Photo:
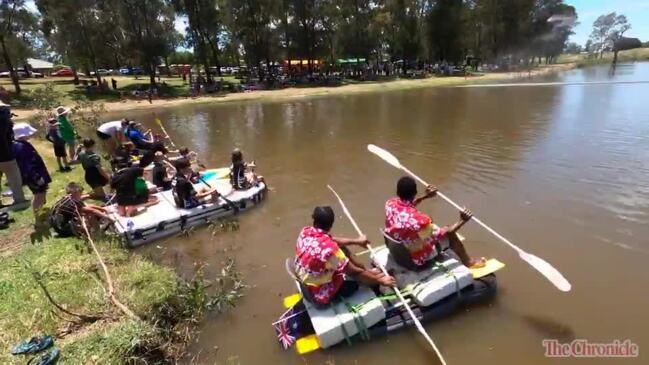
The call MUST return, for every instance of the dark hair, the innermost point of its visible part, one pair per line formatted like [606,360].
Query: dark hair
[407,188]
[237,156]
[182,164]
[139,172]
[88,142]
[183,151]
[125,122]
[323,217]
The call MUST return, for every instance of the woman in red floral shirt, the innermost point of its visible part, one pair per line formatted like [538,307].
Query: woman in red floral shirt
[407,225]
[322,261]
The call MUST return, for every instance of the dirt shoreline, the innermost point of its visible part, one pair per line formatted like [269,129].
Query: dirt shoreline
[299,93]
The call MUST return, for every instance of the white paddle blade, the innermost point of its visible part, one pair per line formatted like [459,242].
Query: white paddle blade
[385,155]
[552,274]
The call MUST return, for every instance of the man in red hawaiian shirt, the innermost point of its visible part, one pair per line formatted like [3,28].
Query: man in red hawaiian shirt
[322,261]
[415,230]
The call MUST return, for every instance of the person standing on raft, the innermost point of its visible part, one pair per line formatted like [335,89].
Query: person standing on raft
[414,229]
[323,263]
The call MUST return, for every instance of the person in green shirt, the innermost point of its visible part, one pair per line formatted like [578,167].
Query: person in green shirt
[67,131]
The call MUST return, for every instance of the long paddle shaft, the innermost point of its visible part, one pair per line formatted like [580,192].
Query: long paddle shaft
[165,132]
[542,266]
[230,202]
[420,328]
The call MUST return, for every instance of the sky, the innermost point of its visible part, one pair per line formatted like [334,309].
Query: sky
[637,11]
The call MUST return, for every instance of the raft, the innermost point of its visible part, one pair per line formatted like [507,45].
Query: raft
[432,294]
[164,219]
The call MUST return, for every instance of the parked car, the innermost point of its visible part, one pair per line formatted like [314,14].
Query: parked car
[63,72]
[22,74]
[101,72]
[132,71]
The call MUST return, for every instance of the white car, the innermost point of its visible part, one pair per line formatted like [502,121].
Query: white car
[101,72]
[21,74]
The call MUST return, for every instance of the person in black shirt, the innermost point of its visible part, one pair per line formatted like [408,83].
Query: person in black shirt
[185,196]
[122,157]
[65,216]
[148,155]
[161,173]
[131,191]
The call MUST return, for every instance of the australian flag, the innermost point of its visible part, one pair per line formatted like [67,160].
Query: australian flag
[287,326]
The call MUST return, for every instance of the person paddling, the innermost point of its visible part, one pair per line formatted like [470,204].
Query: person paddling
[324,264]
[414,229]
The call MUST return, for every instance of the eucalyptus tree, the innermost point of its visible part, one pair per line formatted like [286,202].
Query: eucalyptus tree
[18,28]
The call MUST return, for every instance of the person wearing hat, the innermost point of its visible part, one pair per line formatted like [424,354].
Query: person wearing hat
[139,139]
[8,165]
[32,168]
[67,131]
[53,135]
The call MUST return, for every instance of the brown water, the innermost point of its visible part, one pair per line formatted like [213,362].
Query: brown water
[563,171]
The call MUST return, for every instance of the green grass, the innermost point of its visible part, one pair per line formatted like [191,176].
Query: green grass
[632,55]
[74,279]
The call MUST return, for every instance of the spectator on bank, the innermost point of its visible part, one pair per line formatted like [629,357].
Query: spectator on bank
[66,214]
[112,134]
[8,164]
[32,168]
[95,174]
[67,131]
[53,135]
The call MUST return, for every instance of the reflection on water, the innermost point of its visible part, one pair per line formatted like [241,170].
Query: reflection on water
[563,171]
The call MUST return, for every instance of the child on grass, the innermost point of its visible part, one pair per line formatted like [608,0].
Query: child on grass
[53,135]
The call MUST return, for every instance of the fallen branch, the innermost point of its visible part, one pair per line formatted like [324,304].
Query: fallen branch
[83,317]
[109,280]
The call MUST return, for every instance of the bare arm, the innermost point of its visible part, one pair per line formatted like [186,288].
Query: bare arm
[369,277]
[431,192]
[465,216]
[344,242]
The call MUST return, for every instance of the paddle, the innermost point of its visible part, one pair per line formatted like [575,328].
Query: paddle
[547,270]
[420,328]
[165,132]
[228,201]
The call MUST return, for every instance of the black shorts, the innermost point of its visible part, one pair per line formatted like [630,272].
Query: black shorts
[95,179]
[103,136]
[59,150]
[37,188]
[131,199]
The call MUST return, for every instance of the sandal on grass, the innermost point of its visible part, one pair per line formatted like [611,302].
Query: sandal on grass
[49,358]
[34,345]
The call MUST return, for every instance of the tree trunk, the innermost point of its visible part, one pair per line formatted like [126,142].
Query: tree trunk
[168,68]
[7,59]
[76,75]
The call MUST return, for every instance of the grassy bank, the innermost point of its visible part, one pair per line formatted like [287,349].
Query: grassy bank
[70,273]
[581,60]
[316,91]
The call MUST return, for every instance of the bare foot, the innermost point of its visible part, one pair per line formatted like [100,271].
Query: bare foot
[477,263]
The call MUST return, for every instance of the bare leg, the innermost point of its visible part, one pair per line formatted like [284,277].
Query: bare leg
[98,193]
[458,247]
[38,201]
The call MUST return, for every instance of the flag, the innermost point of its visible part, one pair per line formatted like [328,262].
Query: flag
[287,327]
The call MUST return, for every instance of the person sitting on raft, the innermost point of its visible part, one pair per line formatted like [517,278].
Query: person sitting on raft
[131,191]
[123,156]
[95,175]
[185,196]
[408,226]
[160,174]
[323,263]
[138,138]
[65,216]
[148,155]
[242,175]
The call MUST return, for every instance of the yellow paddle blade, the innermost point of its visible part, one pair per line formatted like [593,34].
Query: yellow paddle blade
[307,344]
[292,300]
[491,267]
